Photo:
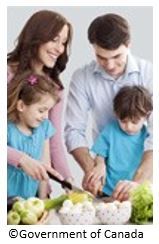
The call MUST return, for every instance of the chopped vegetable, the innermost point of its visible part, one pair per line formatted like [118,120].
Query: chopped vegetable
[142,204]
[77,197]
[55,202]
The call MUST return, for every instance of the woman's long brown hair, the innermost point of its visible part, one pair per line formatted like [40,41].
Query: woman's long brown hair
[42,27]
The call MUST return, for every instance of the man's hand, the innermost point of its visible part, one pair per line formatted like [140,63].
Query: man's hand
[93,188]
[95,179]
[122,190]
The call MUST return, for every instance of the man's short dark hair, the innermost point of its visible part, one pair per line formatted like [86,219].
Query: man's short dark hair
[132,102]
[109,31]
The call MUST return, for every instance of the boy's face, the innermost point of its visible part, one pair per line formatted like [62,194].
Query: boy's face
[131,127]
[112,61]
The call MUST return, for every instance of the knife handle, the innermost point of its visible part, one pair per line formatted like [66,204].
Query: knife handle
[64,183]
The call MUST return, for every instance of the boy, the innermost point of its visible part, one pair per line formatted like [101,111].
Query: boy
[120,146]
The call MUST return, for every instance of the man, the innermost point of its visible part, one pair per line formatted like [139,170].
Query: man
[93,88]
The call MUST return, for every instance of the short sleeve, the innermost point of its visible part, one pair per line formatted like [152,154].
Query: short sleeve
[101,145]
[48,128]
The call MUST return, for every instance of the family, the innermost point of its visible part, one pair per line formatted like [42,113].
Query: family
[115,88]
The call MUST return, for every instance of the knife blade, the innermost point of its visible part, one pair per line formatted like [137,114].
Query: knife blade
[69,186]
[65,183]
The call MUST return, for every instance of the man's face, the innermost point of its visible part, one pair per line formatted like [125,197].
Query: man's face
[112,61]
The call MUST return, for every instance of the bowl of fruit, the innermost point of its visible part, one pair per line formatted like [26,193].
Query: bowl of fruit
[28,212]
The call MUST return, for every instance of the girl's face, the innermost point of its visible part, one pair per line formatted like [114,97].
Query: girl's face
[49,52]
[131,127]
[31,116]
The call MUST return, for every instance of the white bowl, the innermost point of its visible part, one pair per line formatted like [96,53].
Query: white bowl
[79,214]
[114,213]
[85,218]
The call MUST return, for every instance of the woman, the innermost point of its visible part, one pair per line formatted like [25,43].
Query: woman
[43,47]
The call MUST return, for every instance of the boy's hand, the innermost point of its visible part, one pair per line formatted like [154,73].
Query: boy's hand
[122,189]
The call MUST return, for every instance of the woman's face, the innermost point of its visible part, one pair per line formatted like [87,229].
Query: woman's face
[49,52]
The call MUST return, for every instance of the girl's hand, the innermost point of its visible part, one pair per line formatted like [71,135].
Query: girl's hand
[33,168]
[49,168]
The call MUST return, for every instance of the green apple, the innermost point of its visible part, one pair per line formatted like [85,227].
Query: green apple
[28,217]
[19,206]
[13,218]
[35,205]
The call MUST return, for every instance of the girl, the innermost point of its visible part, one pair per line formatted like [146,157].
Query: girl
[30,97]
[42,47]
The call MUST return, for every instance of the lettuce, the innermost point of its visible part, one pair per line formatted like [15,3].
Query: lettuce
[142,204]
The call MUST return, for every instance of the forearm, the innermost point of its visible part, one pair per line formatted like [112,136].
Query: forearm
[57,151]
[43,190]
[99,160]
[145,171]
[83,157]
[14,156]
[58,157]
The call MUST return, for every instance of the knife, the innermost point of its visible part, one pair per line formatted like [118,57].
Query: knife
[68,185]
[65,183]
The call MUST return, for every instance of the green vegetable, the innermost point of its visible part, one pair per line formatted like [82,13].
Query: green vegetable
[55,202]
[35,205]
[28,217]
[13,218]
[79,197]
[142,204]
[19,206]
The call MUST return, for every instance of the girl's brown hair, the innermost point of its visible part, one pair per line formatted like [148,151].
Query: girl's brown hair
[28,87]
[42,27]
[133,102]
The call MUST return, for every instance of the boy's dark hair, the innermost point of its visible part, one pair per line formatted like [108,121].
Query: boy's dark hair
[109,31]
[132,102]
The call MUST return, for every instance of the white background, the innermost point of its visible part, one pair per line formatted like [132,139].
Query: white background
[142,47]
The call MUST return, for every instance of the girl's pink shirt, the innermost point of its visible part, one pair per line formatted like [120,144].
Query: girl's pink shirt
[58,158]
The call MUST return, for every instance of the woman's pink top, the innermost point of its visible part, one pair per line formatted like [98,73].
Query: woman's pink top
[58,158]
